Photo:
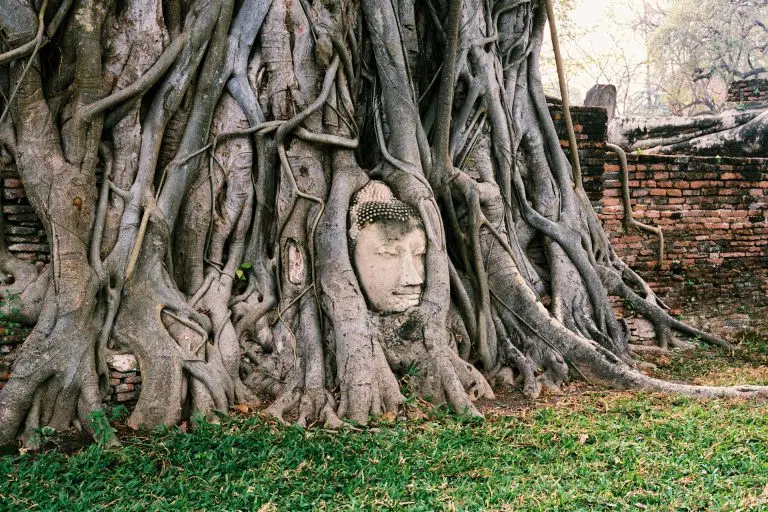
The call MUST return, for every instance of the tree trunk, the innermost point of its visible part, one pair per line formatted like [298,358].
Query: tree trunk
[202,172]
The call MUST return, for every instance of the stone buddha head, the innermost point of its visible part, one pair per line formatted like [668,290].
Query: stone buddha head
[388,245]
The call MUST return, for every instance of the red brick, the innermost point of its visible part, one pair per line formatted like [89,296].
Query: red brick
[123,388]
[13,183]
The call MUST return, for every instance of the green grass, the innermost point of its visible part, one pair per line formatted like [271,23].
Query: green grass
[593,450]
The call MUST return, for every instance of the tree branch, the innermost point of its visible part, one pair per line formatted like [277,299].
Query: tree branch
[141,85]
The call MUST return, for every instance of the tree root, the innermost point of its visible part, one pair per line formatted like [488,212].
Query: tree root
[55,379]
[177,348]
[661,320]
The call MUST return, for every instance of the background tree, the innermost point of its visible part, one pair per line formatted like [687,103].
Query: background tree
[663,57]
[171,148]
[602,52]
[699,47]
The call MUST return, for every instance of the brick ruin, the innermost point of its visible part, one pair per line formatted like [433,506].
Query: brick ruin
[712,210]
[713,213]
[747,92]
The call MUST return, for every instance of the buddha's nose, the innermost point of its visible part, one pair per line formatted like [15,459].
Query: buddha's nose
[410,275]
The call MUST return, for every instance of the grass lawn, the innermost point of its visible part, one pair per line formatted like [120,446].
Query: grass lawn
[590,449]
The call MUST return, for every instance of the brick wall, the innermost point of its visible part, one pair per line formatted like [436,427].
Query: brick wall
[590,126]
[24,232]
[711,210]
[713,215]
[26,238]
[748,91]
[10,338]
[124,378]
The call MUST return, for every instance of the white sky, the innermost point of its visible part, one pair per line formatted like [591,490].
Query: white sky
[605,35]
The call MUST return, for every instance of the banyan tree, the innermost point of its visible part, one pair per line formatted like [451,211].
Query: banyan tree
[301,201]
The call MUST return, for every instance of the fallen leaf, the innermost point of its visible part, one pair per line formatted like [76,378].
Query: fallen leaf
[416,414]
[243,408]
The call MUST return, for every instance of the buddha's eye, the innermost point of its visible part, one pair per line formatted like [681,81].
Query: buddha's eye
[388,252]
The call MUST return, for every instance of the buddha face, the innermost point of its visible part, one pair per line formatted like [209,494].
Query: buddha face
[389,259]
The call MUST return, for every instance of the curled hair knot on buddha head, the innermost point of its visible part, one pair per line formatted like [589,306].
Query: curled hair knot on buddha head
[375,202]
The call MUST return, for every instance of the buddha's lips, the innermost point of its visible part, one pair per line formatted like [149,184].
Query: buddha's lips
[407,293]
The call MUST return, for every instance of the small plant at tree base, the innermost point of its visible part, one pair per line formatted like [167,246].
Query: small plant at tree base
[10,305]
[118,412]
[629,306]
[41,436]
[406,383]
[103,432]
[242,272]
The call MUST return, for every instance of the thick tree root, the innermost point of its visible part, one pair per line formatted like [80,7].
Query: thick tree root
[178,351]
[56,379]
[661,320]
